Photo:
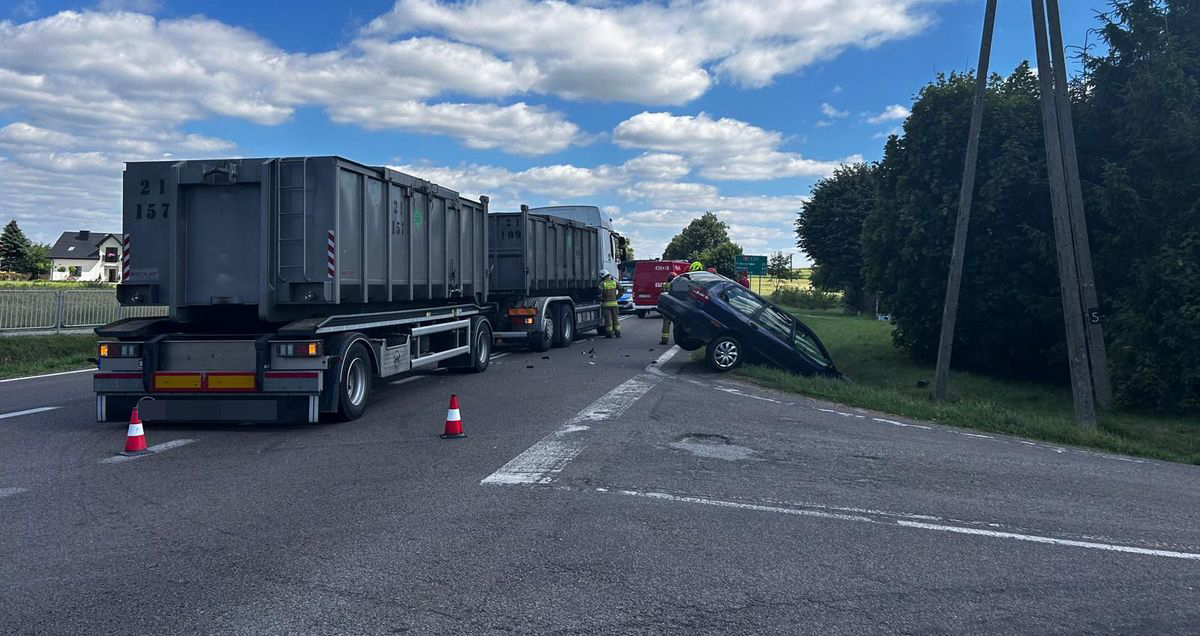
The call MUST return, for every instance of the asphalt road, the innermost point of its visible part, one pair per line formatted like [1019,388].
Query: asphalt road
[603,494]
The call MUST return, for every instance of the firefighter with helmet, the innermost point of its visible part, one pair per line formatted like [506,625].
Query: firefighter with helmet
[610,291]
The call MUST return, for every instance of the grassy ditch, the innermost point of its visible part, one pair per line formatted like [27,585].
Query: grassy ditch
[884,379]
[31,355]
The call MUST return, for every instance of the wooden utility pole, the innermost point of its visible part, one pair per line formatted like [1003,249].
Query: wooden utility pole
[967,192]
[1068,274]
[1083,251]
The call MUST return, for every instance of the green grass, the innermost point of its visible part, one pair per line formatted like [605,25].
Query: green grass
[884,379]
[54,284]
[31,355]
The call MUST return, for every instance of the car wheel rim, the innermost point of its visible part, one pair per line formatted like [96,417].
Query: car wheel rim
[726,354]
[356,382]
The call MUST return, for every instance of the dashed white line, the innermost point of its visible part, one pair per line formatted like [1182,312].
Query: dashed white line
[904,523]
[40,409]
[8,492]
[48,375]
[542,462]
[157,448]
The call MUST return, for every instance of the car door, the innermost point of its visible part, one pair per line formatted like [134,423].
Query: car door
[773,329]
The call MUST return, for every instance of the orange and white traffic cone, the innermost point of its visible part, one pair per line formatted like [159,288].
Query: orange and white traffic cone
[135,439]
[454,427]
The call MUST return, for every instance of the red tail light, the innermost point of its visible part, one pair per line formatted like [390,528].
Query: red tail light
[698,293]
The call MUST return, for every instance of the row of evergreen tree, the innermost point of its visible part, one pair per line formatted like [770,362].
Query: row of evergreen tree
[888,226]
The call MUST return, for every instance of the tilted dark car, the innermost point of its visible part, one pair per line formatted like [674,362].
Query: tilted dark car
[737,325]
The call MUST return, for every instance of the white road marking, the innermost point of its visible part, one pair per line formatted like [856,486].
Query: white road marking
[1052,540]
[48,375]
[976,435]
[40,409]
[157,448]
[8,492]
[904,523]
[542,462]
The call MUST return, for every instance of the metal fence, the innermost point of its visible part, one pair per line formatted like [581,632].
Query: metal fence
[46,310]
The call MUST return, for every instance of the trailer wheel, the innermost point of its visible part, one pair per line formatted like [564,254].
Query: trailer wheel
[354,383]
[564,322]
[541,340]
[481,355]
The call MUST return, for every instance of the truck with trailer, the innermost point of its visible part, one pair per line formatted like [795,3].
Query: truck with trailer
[292,284]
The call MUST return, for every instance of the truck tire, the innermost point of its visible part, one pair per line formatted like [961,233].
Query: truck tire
[564,325]
[354,383]
[481,350]
[685,341]
[724,353]
[641,313]
[541,340]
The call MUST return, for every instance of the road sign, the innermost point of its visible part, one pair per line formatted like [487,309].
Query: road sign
[753,265]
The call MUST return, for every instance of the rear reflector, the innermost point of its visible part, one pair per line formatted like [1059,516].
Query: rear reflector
[212,381]
[522,311]
[291,375]
[174,381]
[221,381]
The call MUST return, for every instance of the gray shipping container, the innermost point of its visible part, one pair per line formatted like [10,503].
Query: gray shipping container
[541,255]
[278,239]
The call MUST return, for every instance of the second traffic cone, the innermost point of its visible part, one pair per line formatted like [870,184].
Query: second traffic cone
[135,439]
[454,427]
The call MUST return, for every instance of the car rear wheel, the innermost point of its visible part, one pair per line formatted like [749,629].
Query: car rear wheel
[724,353]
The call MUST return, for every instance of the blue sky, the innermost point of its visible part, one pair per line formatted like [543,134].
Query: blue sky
[657,111]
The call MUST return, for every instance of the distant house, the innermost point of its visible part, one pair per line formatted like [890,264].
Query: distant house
[86,255]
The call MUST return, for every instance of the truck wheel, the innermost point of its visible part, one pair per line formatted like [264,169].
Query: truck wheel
[481,356]
[354,383]
[724,353]
[641,313]
[540,340]
[564,322]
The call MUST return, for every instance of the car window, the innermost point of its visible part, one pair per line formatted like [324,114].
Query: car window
[806,344]
[776,322]
[742,301]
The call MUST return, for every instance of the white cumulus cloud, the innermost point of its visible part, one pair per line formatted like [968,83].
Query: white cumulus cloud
[894,112]
[724,148]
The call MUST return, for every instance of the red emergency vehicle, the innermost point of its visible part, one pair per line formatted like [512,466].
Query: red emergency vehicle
[648,278]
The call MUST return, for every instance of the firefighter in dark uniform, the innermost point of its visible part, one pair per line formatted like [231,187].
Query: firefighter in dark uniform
[610,291]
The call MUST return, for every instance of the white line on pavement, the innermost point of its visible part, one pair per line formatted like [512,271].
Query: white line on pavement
[40,409]
[543,461]
[907,524]
[1037,539]
[157,448]
[47,375]
[8,492]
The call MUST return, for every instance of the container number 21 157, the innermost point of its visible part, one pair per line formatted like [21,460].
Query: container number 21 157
[152,210]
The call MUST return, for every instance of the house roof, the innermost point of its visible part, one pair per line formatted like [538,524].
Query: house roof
[81,244]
